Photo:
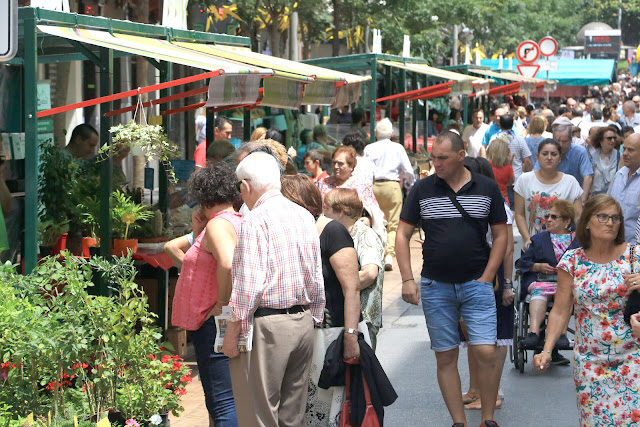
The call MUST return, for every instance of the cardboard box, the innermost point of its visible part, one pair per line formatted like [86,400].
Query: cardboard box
[178,339]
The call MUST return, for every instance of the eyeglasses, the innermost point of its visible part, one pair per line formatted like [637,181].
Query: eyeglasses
[604,218]
[239,184]
[553,217]
[610,137]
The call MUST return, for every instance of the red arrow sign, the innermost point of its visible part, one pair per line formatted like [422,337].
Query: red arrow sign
[528,70]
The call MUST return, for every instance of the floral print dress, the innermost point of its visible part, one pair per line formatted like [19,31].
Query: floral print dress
[606,354]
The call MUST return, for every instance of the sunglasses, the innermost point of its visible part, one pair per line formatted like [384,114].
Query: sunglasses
[604,218]
[610,137]
[553,217]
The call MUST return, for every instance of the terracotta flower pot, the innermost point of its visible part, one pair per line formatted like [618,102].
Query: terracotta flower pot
[121,246]
[88,242]
[61,245]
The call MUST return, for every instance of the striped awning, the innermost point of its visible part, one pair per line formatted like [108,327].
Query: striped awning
[237,83]
[529,84]
[464,84]
[322,83]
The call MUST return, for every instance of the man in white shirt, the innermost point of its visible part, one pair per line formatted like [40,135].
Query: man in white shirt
[392,168]
[474,133]
[629,116]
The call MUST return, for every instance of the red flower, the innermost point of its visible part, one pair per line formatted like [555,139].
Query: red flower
[168,385]
[587,366]
[624,370]
[616,403]
[606,336]
[599,371]
[180,391]
[152,356]
[584,398]
[188,379]
[176,365]
[635,415]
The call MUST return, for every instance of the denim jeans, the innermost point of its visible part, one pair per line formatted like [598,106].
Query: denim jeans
[214,375]
[443,305]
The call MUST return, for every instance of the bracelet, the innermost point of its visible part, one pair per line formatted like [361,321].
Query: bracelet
[508,287]
[408,280]
[545,351]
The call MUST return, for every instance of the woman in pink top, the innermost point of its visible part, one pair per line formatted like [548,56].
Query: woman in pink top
[204,285]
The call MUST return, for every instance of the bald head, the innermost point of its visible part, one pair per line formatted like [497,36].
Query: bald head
[501,111]
[629,108]
[631,152]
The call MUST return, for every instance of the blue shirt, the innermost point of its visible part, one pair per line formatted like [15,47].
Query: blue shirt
[532,143]
[626,191]
[576,163]
[493,129]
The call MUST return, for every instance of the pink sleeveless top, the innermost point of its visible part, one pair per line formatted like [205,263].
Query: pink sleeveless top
[197,287]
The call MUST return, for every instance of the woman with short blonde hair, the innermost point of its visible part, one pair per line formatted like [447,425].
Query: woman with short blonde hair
[500,158]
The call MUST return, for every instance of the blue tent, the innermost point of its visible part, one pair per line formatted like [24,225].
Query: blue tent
[570,72]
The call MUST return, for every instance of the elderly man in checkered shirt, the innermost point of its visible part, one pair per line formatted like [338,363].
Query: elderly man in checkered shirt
[278,291]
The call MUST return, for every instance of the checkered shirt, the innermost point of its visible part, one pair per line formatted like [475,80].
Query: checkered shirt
[277,261]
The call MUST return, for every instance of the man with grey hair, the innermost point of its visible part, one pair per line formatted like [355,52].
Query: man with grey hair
[278,293]
[392,171]
[629,116]
[575,159]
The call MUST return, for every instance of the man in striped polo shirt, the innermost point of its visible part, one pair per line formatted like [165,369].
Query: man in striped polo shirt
[456,208]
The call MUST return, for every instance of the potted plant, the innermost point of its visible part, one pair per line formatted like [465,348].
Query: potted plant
[90,211]
[150,139]
[126,216]
[57,213]
[52,236]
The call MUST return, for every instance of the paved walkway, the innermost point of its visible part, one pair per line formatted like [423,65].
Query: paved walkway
[195,411]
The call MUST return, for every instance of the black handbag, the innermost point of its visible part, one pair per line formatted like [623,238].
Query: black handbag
[633,303]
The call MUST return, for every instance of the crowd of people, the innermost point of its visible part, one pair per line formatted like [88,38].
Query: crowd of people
[299,259]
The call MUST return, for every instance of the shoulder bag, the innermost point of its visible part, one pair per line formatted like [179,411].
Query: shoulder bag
[633,303]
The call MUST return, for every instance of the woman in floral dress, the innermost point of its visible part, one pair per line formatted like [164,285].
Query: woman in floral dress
[597,279]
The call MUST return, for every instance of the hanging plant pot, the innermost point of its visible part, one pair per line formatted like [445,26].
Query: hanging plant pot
[87,244]
[120,246]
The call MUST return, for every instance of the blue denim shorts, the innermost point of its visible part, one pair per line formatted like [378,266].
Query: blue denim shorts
[443,305]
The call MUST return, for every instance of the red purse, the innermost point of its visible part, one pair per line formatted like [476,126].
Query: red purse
[370,415]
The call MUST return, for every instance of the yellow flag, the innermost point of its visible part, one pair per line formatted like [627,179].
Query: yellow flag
[104,422]
[30,418]
[75,421]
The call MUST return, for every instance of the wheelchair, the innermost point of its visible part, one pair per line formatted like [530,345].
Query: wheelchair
[518,352]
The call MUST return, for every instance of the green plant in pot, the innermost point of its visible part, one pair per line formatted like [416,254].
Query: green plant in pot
[89,214]
[52,236]
[150,139]
[126,216]
[58,178]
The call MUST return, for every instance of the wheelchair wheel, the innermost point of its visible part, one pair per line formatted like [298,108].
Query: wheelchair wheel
[522,328]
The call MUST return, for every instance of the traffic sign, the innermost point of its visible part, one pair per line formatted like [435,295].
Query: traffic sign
[528,70]
[8,36]
[548,46]
[528,52]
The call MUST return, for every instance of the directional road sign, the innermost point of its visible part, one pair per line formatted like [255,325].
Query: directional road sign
[528,52]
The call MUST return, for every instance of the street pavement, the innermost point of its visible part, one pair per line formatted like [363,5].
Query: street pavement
[531,399]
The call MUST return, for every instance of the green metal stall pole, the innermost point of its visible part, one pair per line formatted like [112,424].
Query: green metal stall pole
[32,152]
[388,90]
[425,79]
[401,105]
[246,125]
[166,74]
[414,114]
[106,167]
[372,99]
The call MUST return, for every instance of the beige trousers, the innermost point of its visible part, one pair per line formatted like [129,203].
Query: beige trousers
[389,197]
[270,382]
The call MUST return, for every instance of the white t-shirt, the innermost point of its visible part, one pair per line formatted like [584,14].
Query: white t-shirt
[539,197]
[365,170]
[474,137]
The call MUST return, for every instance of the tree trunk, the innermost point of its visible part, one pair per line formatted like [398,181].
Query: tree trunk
[335,51]
[274,38]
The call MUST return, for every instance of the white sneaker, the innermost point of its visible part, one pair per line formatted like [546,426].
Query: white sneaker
[388,263]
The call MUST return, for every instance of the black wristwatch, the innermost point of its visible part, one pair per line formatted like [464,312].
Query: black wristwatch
[508,284]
